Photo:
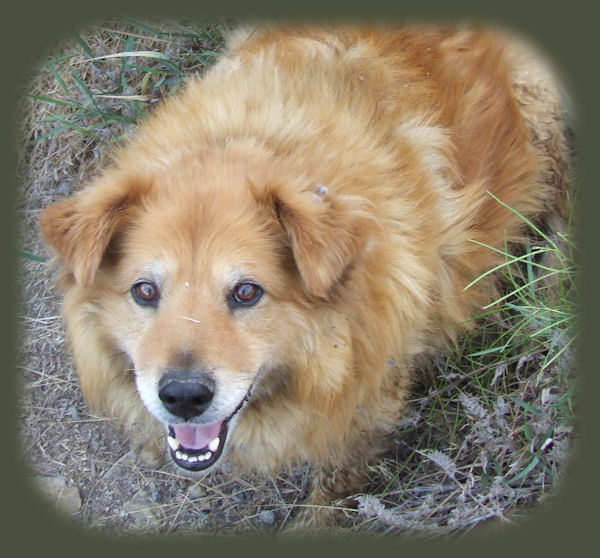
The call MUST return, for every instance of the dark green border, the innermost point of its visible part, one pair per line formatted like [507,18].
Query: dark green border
[565,30]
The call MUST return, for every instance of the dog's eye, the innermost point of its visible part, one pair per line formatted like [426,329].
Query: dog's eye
[246,294]
[145,293]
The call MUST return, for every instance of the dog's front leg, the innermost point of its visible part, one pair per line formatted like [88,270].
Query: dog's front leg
[318,513]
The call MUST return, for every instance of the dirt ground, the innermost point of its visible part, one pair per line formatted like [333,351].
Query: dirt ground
[423,486]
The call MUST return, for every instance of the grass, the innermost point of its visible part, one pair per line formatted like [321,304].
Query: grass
[126,81]
[487,433]
[491,433]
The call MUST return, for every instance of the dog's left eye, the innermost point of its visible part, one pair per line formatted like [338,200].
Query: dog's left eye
[246,294]
[145,293]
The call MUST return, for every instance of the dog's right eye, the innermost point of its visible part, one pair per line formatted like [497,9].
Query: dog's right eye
[145,293]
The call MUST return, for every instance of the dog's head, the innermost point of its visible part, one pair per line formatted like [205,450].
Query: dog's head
[202,273]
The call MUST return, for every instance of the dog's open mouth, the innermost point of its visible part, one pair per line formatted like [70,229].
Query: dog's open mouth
[197,446]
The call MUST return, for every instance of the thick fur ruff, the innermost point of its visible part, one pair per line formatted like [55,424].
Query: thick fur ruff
[340,176]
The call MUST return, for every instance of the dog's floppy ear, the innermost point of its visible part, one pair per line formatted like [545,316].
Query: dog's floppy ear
[326,232]
[80,228]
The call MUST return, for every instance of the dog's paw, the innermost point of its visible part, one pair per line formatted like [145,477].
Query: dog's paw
[151,452]
[310,521]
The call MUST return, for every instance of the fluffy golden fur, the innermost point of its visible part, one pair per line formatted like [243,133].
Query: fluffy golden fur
[340,173]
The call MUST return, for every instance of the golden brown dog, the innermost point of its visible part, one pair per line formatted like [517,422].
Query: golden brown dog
[258,273]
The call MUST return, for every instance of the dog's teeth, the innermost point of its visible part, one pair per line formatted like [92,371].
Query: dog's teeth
[177,448]
[173,443]
[214,444]
[205,456]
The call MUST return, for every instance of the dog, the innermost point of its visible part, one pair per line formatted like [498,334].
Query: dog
[259,272]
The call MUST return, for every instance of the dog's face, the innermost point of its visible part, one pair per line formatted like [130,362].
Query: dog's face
[202,274]
[204,300]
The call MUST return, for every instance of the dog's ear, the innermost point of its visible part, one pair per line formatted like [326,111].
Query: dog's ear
[80,228]
[326,232]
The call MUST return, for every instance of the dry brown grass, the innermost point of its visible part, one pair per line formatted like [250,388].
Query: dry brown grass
[487,435]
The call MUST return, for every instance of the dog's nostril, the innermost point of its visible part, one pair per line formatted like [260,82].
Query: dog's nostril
[167,399]
[186,398]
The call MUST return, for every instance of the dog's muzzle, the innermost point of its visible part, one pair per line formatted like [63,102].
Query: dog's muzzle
[187,394]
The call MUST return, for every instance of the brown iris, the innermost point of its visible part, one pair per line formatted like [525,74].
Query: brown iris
[246,294]
[145,293]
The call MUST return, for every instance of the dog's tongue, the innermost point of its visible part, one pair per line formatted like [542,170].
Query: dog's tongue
[196,436]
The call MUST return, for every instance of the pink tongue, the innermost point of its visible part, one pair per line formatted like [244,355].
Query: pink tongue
[196,436]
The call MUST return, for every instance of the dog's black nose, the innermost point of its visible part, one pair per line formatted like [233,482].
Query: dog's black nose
[186,393]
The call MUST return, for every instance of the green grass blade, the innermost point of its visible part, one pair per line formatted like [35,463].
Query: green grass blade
[83,87]
[521,288]
[54,101]
[83,131]
[511,260]
[31,256]
[48,134]
[59,80]
[83,44]
[525,471]
[530,224]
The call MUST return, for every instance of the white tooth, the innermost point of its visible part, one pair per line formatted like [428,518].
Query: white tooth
[213,446]
[173,443]
[201,458]
[207,455]
[193,459]
[179,454]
